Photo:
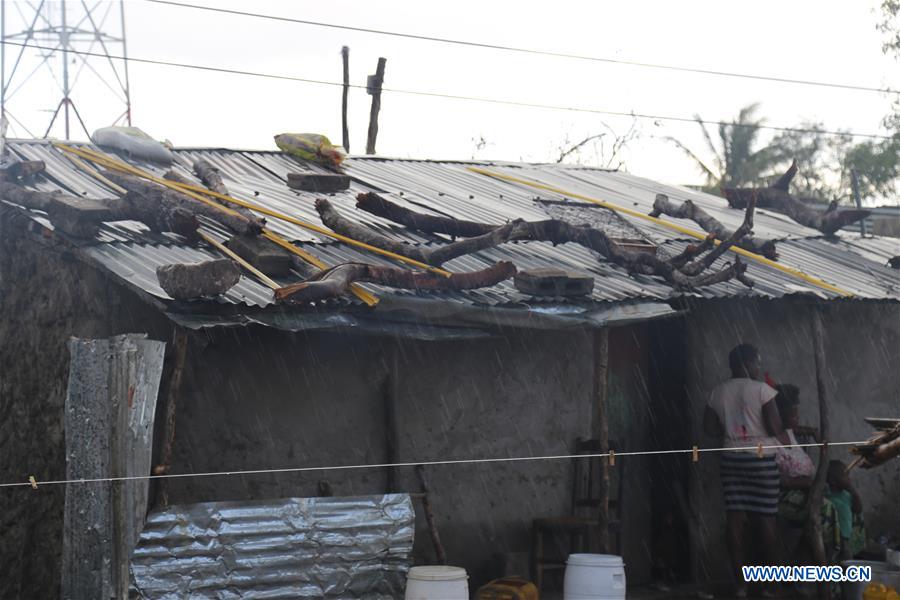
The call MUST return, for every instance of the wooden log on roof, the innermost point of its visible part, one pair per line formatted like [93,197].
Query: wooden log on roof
[171,199]
[688,210]
[23,169]
[336,281]
[376,205]
[778,198]
[210,176]
[173,175]
[684,271]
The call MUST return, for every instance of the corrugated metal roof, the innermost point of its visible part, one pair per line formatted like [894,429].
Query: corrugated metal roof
[131,252]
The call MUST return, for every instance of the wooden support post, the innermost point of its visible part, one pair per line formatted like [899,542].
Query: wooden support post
[173,391]
[439,551]
[374,88]
[601,397]
[389,391]
[110,405]
[345,57]
[814,499]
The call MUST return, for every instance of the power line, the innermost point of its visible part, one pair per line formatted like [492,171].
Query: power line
[530,50]
[431,463]
[465,98]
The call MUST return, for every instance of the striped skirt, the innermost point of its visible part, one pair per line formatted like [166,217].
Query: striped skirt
[750,482]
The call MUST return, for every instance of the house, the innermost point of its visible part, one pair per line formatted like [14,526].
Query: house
[484,373]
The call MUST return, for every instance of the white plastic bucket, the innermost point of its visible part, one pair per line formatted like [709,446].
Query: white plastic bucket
[594,577]
[437,583]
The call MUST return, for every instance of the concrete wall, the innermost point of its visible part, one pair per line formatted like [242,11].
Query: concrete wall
[862,349]
[46,296]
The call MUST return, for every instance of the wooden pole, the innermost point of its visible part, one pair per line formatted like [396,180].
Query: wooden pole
[429,517]
[601,397]
[345,57]
[814,500]
[179,356]
[374,89]
[389,388]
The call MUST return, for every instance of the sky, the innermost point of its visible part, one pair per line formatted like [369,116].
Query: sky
[833,41]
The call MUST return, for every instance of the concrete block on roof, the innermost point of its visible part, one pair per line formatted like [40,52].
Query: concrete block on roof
[268,257]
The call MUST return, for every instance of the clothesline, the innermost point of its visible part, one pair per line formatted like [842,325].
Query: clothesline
[611,456]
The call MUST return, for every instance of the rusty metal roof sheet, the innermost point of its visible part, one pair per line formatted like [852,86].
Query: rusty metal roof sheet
[132,252]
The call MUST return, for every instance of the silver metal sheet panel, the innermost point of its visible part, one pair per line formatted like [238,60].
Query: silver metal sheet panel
[277,549]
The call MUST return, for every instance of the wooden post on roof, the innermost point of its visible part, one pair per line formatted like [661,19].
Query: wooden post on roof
[374,89]
[814,499]
[601,398]
[345,57]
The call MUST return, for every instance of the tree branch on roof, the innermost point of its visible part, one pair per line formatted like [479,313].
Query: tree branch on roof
[683,271]
[336,281]
[778,198]
[81,217]
[433,256]
[165,197]
[210,176]
[688,210]
[173,175]
[376,205]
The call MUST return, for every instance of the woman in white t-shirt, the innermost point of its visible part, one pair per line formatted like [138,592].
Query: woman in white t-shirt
[741,413]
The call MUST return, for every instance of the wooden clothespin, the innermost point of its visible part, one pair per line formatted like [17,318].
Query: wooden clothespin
[612,457]
[759,450]
[695,454]
[32,481]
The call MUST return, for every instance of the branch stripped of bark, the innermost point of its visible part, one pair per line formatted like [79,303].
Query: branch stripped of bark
[681,271]
[779,199]
[688,210]
[173,175]
[336,281]
[170,199]
[432,256]
[210,176]
[376,205]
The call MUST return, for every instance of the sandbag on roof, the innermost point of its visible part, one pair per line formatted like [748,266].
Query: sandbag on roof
[134,142]
[312,147]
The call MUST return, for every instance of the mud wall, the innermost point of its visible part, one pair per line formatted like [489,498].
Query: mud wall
[862,350]
[264,399]
[46,296]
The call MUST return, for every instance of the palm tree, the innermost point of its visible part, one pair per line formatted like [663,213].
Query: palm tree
[737,159]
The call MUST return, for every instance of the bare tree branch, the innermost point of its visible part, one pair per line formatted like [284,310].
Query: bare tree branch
[688,210]
[779,199]
[677,271]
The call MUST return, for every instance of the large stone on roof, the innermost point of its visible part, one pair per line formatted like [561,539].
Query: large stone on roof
[194,280]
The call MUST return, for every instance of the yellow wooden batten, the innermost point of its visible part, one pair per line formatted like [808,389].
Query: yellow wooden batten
[367,297]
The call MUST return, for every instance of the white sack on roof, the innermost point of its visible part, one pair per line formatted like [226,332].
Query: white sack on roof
[133,141]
